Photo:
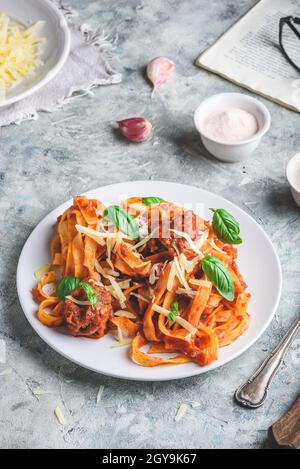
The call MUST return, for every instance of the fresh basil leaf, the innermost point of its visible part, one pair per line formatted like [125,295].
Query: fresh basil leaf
[152,200]
[226,227]
[122,220]
[219,275]
[90,293]
[174,311]
[66,286]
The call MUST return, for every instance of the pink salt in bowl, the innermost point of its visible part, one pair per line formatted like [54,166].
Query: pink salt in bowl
[237,150]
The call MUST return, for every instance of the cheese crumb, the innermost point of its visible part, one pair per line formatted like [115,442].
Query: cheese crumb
[181,412]
[41,392]
[60,416]
[6,372]
[195,404]
[99,394]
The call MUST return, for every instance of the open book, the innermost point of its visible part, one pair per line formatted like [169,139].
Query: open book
[249,54]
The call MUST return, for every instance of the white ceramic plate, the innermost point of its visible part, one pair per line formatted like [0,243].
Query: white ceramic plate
[257,260]
[54,53]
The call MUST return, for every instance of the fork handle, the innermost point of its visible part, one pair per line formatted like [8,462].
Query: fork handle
[254,393]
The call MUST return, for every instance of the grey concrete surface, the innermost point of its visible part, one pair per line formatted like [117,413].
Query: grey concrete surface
[44,163]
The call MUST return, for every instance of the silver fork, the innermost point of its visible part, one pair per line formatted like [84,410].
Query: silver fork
[255,391]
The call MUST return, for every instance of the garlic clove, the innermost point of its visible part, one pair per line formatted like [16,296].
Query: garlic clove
[135,129]
[159,70]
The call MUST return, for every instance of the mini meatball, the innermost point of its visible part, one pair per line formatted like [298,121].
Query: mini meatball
[86,321]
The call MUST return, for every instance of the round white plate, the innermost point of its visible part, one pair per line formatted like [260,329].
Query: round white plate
[54,52]
[257,260]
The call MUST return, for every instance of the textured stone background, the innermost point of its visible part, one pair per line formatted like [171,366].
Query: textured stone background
[44,163]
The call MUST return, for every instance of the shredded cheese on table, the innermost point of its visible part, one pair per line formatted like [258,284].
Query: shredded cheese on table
[19,51]
[60,416]
[181,412]
[99,394]
[41,392]
[6,372]
[195,404]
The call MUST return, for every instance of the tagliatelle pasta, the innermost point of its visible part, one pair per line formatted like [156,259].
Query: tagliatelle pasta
[151,292]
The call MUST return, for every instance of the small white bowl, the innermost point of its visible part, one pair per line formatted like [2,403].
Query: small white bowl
[293,177]
[231,151]
[55,51]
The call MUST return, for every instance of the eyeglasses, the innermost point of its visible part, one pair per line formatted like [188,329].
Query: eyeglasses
[289,35]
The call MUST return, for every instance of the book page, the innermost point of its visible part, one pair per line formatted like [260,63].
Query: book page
[249,54]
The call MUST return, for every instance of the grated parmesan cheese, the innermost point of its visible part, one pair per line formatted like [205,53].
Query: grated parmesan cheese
[189,266]
[112,272]
[137,295]
[183,291]
[42,270]
[154,274]
[122,343]
[181,412]
[123,285]
[171,278]
[41,392]
[19,51]
[110,244]
[120,334]
[78,302]
[191,243]
[200,283]
[60,416]
[199,242]
[195,404]
[122,313]
[144,240]
[99,236]
[185,324]
[6,372]
[180,274]
[213,244]
[100,393]
[118,291]
[115,286]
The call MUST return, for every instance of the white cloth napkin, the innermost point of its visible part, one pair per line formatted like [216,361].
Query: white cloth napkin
[86,68]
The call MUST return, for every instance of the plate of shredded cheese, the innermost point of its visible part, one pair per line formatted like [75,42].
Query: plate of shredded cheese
[34,45]
[139,331]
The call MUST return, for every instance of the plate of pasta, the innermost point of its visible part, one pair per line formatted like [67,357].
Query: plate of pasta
[149,280]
